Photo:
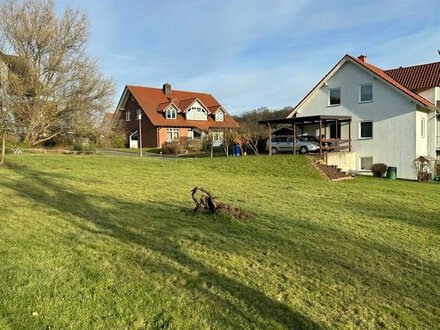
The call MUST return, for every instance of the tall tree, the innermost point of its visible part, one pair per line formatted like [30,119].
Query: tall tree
[4,113]
[53,86]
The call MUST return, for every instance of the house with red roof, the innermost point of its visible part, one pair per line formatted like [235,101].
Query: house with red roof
[394,113]
[164,114]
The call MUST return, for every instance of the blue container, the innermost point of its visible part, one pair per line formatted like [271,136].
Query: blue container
[237,151]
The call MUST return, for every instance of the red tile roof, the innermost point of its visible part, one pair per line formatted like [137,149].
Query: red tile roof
[417,76]
[390,80]
[161,107]
[151,98]
[184,104]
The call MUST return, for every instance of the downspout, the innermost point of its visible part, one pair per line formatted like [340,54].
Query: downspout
[158,137]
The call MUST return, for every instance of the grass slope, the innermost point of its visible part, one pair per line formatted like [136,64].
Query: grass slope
[103,242]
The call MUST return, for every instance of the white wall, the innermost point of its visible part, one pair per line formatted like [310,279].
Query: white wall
[393,116]
[429,94]
[422,141]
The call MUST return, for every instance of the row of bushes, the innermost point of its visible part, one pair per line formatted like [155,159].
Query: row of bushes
[182,146]
[422,171]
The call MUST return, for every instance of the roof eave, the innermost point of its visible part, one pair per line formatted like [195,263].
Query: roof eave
[120,106]
[309,95]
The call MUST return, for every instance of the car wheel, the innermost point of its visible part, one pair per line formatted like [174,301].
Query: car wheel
[303,150]
[274,151]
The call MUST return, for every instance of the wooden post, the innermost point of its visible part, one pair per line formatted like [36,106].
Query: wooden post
[320,137]
[270,139]
[349,135]
[294,138]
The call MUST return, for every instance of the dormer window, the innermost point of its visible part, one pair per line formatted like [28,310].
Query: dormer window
[197,113]
[219,116]
[171,113]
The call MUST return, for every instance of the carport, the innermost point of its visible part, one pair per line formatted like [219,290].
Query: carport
[322,122]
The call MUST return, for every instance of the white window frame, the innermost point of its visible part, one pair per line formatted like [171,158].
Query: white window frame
[174,134]
[218,135]
[360,93]
[422,127]
[360,163]
[219,115]
[340,97]
[171,113]
[127,115]
[360,130]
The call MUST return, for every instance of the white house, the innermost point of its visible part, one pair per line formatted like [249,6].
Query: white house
[394,113]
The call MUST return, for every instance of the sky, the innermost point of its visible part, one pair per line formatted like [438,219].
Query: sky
[252,53]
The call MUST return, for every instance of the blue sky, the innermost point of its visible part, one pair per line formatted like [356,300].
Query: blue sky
[253,53]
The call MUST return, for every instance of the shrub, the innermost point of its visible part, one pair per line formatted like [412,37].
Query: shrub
[85,146]
[195,145]
[174,147]
[422,168]
[379,170]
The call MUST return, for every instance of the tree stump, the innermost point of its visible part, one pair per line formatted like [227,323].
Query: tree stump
[207,203]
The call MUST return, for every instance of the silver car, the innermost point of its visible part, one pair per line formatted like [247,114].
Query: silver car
[284,143]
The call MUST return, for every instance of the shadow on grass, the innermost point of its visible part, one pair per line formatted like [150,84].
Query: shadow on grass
[47,189]
[125,221]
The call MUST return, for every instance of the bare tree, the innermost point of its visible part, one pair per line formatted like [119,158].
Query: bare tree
[250,139]
[4,114]
[228,138]
[54,87]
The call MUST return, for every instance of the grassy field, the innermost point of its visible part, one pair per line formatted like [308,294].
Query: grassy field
[105,242]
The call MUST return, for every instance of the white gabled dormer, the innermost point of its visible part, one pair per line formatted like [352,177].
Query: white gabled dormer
[196,111]
[171,112]
[219,115]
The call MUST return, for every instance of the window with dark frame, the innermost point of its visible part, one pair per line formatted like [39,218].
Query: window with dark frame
[366,93]
[366,130]
[334,95]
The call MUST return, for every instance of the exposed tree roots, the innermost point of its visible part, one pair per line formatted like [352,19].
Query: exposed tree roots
[207,203]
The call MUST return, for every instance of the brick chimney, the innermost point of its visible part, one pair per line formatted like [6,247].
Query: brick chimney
[362,58]
[166,89]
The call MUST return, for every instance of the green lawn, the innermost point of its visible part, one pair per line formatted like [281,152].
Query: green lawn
[106,242]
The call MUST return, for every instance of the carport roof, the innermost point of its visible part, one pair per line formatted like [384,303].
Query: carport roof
[306,119]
